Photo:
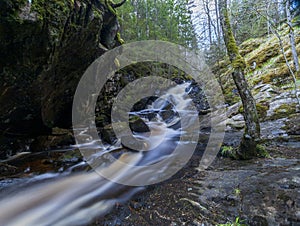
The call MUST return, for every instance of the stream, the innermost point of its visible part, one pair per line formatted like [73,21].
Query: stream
[68,198]
[94,186]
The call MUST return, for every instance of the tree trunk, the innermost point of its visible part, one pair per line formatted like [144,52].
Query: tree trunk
[207,11]
[218,24]
[252,132]
[147,20]
[292,35]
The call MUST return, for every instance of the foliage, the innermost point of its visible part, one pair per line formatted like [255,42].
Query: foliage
[246,22]
[167,20]
[236,223]
[237,191]
[228,151]
[262,152]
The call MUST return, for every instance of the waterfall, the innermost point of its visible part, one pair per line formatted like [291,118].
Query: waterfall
[77,199]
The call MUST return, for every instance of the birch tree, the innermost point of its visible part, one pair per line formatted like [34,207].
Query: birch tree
[292,35]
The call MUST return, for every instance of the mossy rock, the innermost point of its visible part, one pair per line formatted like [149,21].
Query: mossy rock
[288,54]
[264,53]
[278,76]
[71,156]
[283,111]
[250,45]
[293,125]
[261,107]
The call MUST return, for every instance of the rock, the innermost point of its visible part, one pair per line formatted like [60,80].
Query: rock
[233,110]
[259,221]
[6,169]
[266,88]
[47,47]
[282,106]
[58,139]
[238,117]
[72,156]
[10,145]
[138,125]
[107,134]
[272,129]
[235,124]
[293,124]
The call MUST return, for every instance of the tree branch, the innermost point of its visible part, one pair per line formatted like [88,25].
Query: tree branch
[116,5]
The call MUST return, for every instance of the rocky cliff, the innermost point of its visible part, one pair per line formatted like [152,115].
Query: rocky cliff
[46,45]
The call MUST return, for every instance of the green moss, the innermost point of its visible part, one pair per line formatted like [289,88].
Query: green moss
[120,40]
[250,45]
[228,151]
[277,76]
[239,62]
[288,53]
[231,45]
[72,155]
[264,53]
[261,107]
[111,9]
[52,11]
[262,152]
[241,109]
[284,111]
[231,98]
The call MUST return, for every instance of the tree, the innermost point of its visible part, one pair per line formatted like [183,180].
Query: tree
[273,28]
[168,20]
[292,35]
[248,145]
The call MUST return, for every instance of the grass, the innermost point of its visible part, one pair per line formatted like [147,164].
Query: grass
[237,222]
[228,152]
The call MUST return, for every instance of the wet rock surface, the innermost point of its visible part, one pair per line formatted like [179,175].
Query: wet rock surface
[262,191]
[259,192]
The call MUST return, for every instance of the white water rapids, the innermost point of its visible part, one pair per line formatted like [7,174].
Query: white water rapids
[76,199]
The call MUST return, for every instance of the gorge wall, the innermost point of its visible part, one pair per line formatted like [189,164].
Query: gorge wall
[46,45]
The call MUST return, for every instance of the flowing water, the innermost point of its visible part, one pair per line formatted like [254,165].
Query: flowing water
[76,199]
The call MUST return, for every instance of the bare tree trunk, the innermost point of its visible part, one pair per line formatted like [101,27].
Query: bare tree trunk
[218,23]
[268,22]
[218,35]
[137,14]
[292,35]
[156,20]
[207,11]
[251,136]
[147,20]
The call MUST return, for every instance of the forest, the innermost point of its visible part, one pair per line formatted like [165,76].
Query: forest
[150,112]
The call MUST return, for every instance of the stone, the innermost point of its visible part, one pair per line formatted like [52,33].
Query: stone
[236,124]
